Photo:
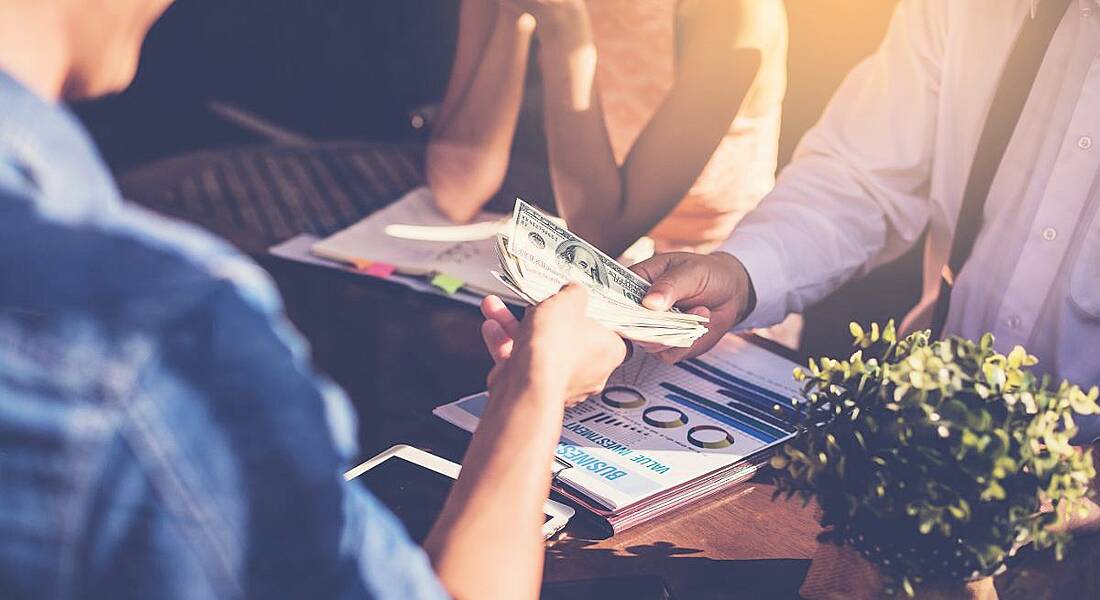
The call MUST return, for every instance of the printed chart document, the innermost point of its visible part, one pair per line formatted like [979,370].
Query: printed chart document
[669,434]
[411,237]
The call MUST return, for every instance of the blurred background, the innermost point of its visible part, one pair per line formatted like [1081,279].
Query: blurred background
[335,70]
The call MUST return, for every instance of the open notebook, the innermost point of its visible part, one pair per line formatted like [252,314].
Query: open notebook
[662,436]
[411,237]
[412,244]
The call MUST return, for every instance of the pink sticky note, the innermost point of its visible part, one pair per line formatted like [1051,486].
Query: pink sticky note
[380,269]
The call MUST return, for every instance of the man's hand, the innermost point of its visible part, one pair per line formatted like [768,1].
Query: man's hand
[555,348]
[711,285]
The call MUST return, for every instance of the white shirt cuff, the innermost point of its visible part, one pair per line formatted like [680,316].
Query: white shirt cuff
[768,280]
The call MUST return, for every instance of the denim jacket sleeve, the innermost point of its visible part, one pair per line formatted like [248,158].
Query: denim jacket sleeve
[162,433]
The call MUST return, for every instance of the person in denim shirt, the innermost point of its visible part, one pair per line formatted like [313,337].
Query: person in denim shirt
[162,433]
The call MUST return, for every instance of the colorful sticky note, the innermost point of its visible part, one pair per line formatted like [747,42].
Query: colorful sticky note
[447,283]
[360,264]
[381,269]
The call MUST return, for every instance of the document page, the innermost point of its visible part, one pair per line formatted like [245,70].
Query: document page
[417,239]
[656,426]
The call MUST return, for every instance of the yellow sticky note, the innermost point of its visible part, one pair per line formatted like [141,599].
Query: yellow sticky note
[447,283]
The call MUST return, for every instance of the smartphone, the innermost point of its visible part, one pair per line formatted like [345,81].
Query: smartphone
[414,484]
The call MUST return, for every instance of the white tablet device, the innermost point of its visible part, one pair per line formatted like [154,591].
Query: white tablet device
[413,484]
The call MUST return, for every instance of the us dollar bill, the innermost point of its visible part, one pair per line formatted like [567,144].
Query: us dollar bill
[556,252]
[540,255]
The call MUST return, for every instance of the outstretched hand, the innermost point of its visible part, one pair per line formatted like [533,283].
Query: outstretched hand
[716,286]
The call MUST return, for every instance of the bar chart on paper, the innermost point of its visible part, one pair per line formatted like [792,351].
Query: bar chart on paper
[655,426]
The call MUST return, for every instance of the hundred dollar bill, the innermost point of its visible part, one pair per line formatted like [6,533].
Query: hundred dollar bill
[541,244]
[540,256]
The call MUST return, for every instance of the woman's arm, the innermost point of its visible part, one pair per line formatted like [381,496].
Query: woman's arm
[724,44]
[583,170]
[467,156]
[487,541]
[476,21]
[732,61]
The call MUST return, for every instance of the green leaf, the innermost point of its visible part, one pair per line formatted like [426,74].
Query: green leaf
[1017,357]
[960,511]
[890,334]
[994,374]
[994,491]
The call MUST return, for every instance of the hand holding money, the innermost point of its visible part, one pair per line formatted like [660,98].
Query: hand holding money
[556,347]
[716,285]
[539,256]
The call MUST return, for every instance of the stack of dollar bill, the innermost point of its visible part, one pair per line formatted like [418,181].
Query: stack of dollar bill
[539,256]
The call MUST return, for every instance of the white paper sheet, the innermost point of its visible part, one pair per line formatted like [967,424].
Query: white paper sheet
[298,250]
[417,239]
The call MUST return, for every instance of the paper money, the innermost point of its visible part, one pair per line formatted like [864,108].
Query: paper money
[539,256]
[538,240]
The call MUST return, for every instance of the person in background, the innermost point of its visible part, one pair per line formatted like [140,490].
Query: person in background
[892,159]
[162,433]
[661,117]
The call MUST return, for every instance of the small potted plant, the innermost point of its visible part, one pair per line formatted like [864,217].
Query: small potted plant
[929,461]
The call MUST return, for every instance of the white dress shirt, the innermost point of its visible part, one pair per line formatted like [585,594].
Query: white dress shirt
[892,154]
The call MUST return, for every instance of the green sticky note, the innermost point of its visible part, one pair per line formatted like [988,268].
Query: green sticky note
[447,283]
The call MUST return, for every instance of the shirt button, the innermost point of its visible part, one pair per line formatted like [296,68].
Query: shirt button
[1014,322]
[1050,234]
[1084,142]
[1086,12]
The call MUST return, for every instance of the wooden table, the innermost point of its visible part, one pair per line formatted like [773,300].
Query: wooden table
[399,354]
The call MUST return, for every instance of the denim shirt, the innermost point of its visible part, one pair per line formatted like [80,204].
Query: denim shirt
[162,434]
